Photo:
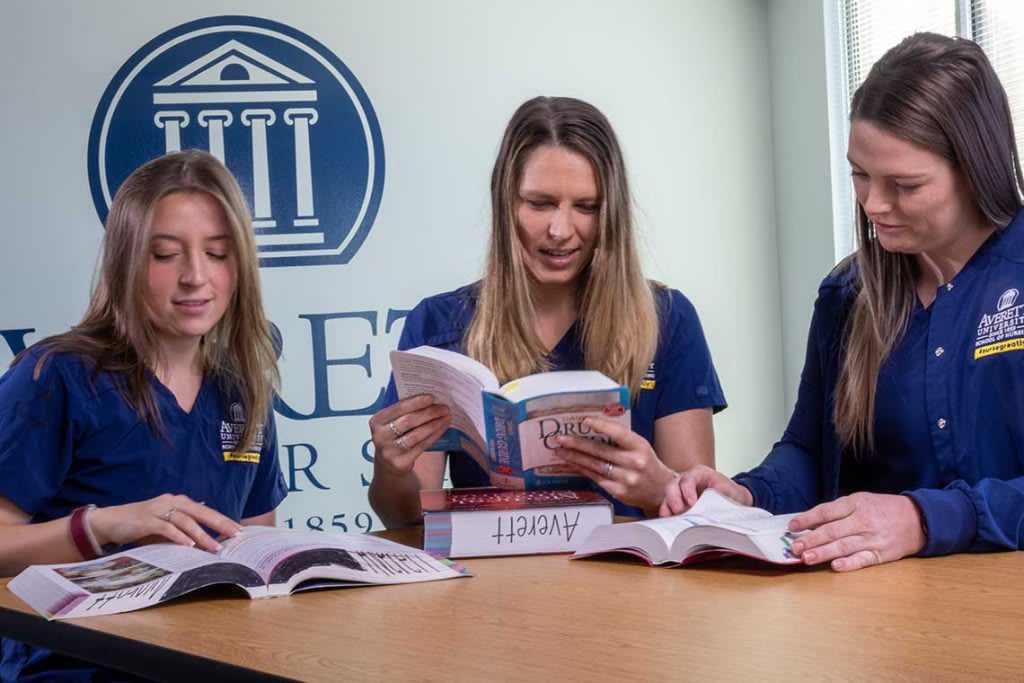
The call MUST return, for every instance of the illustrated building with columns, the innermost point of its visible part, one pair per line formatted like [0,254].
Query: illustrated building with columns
[235,85]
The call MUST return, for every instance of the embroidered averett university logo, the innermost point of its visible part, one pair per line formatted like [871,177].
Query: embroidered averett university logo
[231,431]
[649,380]
[1003,330]
[281,111]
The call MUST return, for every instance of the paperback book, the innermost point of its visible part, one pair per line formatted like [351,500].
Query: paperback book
[510,429]
[479,522]
[263,561]
[715,526]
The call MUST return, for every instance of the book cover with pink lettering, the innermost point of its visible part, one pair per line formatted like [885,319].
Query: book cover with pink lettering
[480,522]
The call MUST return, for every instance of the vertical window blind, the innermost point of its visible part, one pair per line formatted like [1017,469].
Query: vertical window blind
[998,27]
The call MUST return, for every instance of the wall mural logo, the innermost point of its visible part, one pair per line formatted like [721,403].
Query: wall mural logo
[277,107]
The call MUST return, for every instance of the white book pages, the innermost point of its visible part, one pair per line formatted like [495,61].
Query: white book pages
[556,382]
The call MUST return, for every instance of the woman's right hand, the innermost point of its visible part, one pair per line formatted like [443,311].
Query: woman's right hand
[683,491]
[178,519]
[403,431]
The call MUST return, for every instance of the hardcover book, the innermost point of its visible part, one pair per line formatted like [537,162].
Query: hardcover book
[715,526]
[263,561]
[510,429]
[477,522]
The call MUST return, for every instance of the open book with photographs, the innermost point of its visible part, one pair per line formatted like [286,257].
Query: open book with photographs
[264,561]
[510,429]
[715,526]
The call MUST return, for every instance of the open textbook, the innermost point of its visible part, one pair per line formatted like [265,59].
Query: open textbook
[510,430]
[715,526]
[264,561]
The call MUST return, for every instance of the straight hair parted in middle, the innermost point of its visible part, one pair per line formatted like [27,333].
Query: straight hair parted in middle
[115,333]
[616,304]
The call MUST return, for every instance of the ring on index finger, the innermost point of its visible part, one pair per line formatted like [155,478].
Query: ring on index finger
[401,442]
[167,515]
[394,430]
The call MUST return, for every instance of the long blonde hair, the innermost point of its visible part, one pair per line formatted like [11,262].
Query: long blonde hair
[616,306]
[940,94]
[116,333]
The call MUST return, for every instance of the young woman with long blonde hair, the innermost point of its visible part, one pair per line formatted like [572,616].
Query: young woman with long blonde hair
[151,418]
[562,289]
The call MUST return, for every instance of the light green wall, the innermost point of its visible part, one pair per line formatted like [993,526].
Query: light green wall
[720,108]
[802,171]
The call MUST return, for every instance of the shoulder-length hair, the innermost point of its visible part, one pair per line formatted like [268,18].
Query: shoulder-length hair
[942,95]
[616,305]
[116,333]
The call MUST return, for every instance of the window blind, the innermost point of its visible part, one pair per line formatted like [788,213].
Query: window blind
[998,27]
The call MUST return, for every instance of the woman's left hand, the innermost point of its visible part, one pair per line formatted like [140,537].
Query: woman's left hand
[629,470]
[859,530]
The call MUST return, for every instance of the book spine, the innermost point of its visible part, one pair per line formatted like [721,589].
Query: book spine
[504,459]
[624,398]
[523,531]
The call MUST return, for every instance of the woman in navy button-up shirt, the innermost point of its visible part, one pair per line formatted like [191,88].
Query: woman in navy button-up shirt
[908,433]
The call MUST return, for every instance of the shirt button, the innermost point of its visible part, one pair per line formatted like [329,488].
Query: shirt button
[939,351]
[942,423]
[949,286]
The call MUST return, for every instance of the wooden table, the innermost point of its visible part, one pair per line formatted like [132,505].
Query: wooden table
[544,618]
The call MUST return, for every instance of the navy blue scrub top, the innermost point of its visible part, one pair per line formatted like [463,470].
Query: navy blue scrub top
[681,377]
[901,422]
[68,439]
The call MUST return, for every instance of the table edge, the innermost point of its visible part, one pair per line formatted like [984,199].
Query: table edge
[120,652]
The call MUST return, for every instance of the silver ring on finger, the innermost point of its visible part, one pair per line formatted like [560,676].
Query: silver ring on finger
[401,442]
[167,515]
[394,430]
[608,467]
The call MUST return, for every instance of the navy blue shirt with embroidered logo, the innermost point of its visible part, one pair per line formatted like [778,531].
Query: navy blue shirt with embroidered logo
[681,377]
[949,411]
[69,439]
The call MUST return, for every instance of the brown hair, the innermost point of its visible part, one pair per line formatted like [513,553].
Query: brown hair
[116,334]
[943,95]
[617,311]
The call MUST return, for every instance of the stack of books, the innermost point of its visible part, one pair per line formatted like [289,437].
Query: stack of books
[482,522]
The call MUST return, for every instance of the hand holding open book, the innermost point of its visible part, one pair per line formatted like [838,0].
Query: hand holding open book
[716,525]
[510,430]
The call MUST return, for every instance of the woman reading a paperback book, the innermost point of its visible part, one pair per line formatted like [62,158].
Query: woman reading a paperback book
[908,432]
[150,420]
[562,290]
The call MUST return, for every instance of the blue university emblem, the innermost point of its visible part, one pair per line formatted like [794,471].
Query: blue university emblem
[277,107]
